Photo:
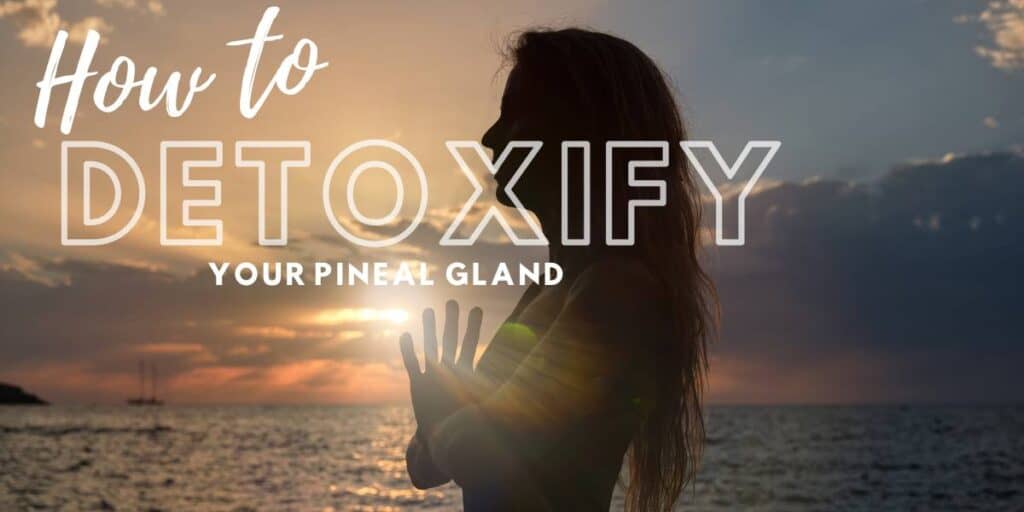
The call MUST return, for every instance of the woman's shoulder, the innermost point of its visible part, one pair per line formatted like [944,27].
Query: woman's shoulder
[621,301]
[617,282]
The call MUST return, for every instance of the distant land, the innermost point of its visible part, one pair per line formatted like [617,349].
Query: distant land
[13,395]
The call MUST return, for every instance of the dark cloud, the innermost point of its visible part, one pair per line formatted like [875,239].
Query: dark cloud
[913,279]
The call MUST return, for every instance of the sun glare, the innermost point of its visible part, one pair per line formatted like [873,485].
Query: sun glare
[360,315]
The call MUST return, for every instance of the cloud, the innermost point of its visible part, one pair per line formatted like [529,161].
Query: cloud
[171,348]
[78,30]
[900,289]
[1004,20]
[38,21]
[311,381]
[31,270]
[422,245]
[152,6]
[359,315]
[68,322]
[990,122]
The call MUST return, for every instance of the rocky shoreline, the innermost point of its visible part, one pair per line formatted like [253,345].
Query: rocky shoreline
[14,395]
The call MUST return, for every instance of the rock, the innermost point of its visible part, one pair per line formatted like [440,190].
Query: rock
[13,395]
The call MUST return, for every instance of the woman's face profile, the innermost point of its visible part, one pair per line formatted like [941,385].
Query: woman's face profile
[524,117]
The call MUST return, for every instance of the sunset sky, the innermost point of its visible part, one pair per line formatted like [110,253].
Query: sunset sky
[883,249]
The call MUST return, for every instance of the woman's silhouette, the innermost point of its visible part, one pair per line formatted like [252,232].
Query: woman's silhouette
[611,360]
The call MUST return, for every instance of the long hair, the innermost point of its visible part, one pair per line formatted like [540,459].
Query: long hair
[616,92]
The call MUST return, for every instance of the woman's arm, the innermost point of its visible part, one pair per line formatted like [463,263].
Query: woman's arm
[575,370]
[439,389]
[423,473]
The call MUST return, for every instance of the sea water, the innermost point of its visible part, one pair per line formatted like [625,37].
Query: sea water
[318,458]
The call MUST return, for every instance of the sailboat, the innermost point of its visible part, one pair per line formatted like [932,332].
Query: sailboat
[142,399]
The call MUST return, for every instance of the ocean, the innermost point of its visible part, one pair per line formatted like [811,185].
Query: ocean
[320,458]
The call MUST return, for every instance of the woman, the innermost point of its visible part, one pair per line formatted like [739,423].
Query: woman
[607,364]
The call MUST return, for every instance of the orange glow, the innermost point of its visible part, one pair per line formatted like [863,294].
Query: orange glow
[360,315]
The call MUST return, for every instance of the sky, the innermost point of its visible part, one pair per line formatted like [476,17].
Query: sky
[881,262]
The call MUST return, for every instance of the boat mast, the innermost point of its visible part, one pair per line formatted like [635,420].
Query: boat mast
[152,367]
[142,379]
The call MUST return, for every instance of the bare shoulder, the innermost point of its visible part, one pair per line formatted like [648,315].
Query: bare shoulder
[620,301]
[616,282]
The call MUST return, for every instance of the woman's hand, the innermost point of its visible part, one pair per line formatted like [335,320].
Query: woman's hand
[444,385]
